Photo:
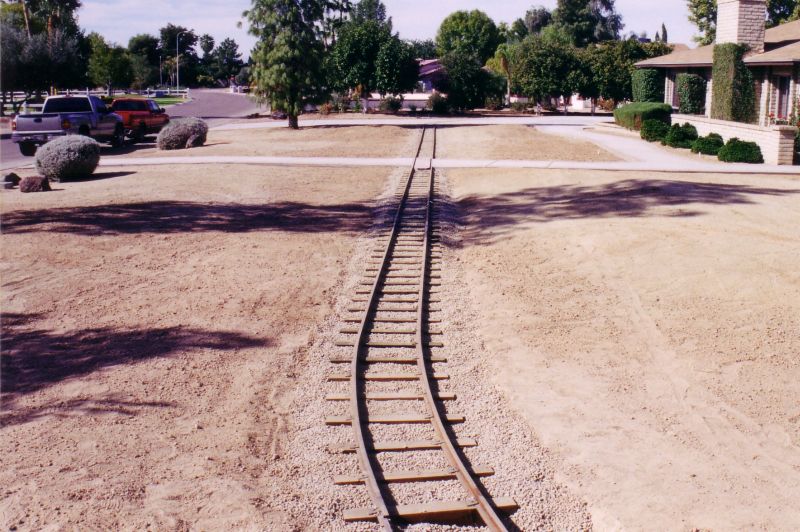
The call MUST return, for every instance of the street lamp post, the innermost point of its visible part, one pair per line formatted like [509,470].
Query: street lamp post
[178,61]
[160,73]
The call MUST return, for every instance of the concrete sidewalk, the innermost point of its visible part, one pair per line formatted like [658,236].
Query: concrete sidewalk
[683,166]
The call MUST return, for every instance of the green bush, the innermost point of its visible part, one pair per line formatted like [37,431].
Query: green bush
[654,130]
[438,104]
[738,151]
[709,145]
[734,94]
[494,103]
[519,107]
[692,94]
[681,136]
[633,115]
[183,133]
[647,85]
[69,157]
[391,105]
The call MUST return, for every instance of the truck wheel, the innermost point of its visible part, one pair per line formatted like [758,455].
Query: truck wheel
[140,134]
[119,137]
[28,149]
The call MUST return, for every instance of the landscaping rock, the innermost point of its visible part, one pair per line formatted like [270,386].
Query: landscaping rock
[12,178]
[35,183]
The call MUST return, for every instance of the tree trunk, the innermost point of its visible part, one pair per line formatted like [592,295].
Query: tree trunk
[3,105]
[293,124]
[27,17]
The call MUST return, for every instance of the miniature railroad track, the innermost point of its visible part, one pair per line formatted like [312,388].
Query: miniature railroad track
[393,326]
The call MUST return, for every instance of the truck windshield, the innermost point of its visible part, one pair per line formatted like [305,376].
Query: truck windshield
[67,105]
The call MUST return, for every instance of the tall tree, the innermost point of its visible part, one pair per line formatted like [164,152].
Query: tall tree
[537,18]
[588,21]
[207,44]
[287,59]
[396,68]
[109,65]
[373,10]
[664,34]
[470,33]
[145,45]
[703,14]
[227,60]
[354,58]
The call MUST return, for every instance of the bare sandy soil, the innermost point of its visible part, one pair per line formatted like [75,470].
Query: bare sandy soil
[648,329]
[514,142]
[334,141]
[152,324]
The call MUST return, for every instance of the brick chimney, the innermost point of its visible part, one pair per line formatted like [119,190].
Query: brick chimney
[743,22]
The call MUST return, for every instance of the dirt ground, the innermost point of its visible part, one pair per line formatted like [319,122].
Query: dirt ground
[514,142]
[152,322]
[647,327]
[333,141]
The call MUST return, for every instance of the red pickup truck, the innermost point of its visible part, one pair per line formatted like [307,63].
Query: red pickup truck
[141,117]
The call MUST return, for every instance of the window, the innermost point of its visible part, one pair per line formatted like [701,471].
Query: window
[783,84]
[153,106]
[99,105]
[67,105]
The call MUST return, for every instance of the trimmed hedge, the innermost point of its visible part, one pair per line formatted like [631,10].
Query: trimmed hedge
[69,157]
[654,130]
[391,105]
[633,115]
[734,93]
[681,136]
[692,93]
[738,151]
[647,85]
[709,145]
[183,133]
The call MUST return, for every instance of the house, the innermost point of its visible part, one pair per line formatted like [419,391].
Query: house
[774,60]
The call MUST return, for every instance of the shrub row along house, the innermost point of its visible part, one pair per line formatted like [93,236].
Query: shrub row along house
[746,83]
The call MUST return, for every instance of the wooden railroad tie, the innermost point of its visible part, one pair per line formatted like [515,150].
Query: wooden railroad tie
[393,396]
[432,510]
[372,359]
[390,446]
[393,419]
[387,377]
[423,475]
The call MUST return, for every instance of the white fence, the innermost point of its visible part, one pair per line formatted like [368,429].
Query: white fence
[37,107]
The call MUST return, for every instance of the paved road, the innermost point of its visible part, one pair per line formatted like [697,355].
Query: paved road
[217,106]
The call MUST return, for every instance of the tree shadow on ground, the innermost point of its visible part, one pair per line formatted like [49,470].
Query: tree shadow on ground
[489,217]
[110,405]
[165,217]
[35,358]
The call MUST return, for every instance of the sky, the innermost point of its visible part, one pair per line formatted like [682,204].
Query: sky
[119,20]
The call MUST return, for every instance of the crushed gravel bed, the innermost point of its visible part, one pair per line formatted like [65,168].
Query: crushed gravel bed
[523,468]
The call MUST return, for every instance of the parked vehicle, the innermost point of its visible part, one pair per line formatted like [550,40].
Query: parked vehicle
[141,117]
[67,115]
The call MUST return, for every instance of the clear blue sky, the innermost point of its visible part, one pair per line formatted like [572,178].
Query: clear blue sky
[118,20]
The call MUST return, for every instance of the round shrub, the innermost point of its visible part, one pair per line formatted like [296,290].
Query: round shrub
[654,130]
[681,136]
[709,145]
[391,105]
[438,104]
[183,133]
[69,157]
[739,151]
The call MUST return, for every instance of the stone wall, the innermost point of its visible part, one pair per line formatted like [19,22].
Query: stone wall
[742,21]
[776,142]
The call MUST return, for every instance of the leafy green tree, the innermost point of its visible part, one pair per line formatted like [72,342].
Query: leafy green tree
[541,68]
[612,63]
[703,14]
[207,44]
[354,58]
[518,30]
[468,84]
[227,60]
[143,74]
[189,62]
[287,59]
[537,19]
[470,34]
[337,12]
[145,45]
[109,66]
[423,49]
[373,10]
[588,21]
[396,68]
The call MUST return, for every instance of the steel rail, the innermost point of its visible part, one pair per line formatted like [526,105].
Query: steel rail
[356,406]
[482,504]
